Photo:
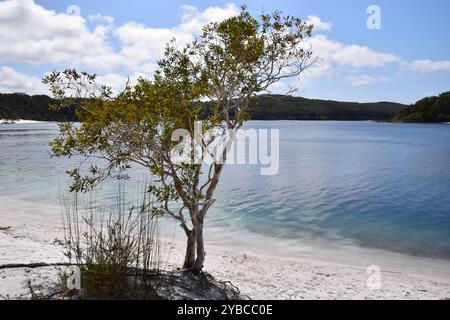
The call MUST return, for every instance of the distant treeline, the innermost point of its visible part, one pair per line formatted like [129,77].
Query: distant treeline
[277,107]
[266,107]
[430,109]
[22,106]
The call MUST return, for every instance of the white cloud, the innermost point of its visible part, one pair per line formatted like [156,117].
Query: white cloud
[319,70]
[142,45]
[118,81]
[430,66]
[318,24]
[192,20]
[30,33]
[358,56]
[338,59]
[13,81]
[363,80]
[349,55]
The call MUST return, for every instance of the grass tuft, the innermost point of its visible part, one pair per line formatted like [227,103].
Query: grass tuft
[117,253]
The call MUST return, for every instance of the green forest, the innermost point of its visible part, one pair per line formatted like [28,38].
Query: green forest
[277,107]
[265,107]
[22,106]
[429,109]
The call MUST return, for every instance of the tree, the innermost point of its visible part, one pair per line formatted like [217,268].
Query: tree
[228,64]
[428,109]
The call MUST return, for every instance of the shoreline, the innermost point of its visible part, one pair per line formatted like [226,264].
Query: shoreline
[257,275]
[19,121]
[28,121]
[316,250]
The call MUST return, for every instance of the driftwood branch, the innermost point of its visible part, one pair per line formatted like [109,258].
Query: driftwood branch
[33,265]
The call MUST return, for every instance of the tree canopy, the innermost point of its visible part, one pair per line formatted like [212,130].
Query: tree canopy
[429,109]
[227,65]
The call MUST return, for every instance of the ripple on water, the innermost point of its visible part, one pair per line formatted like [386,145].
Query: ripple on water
[371,184]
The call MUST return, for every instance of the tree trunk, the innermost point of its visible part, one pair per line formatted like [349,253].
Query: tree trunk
[198,266]
[189,259]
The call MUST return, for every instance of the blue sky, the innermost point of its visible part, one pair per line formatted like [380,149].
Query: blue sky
[404,60]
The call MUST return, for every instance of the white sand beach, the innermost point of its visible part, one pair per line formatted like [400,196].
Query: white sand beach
[19,121]
[256,275]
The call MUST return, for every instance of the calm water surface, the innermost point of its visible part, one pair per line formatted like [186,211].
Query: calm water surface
[377,185]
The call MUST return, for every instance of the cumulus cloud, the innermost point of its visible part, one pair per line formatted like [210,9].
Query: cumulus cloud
[350,55]
[30,33]
[12,81]
[142,45]
[336,58]
[318,24]
[192,20]
[344,60]
[426,66]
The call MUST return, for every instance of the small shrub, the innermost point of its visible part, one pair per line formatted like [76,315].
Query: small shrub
[117,253]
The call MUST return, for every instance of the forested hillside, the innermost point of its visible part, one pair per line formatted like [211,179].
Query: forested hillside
[429,109]
[267,107]
[21,106]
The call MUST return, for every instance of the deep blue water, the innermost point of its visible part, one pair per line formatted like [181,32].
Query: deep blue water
[379,185]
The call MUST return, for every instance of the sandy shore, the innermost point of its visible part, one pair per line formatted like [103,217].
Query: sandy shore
[18,121]
[256,275]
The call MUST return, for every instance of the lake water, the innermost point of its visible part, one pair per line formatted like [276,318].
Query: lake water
[374,185]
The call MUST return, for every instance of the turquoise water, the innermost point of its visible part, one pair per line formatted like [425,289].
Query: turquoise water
[377,185]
